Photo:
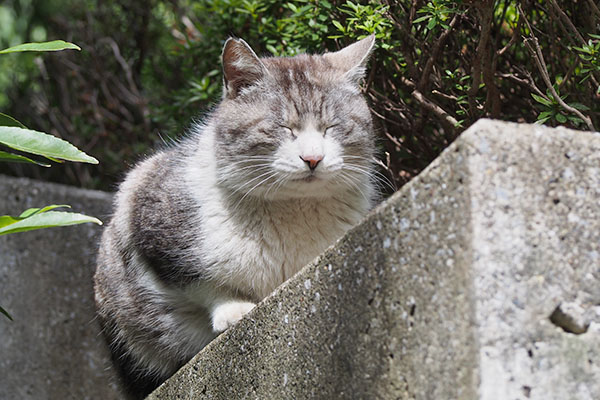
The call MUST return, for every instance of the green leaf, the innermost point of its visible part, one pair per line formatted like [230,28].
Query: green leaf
[561,118]
[54,45]
[579,106]
[7,120]
[338,26]
[272,49]
[541,100]
[31,211]
[542,120]
[10,157]
[432,23]
[42,144]
[583,50]
[3,311]
[47,220]
[420,19]
[6,220]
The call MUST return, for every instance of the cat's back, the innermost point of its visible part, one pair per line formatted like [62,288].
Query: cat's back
[147,188]
[151,214]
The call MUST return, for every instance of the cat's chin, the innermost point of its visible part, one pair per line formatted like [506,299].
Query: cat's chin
[307,179]
[307,187]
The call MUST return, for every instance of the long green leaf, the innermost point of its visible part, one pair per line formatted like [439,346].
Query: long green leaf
[7,220]
[10,157]
[30,211]
[42,144]
[3,311]
[47,220]
[541,100]
[7,120]
[54,45]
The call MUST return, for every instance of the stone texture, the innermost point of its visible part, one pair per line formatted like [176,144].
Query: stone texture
[480,279]
[52,350]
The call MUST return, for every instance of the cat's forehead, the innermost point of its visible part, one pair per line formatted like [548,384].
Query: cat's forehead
[299,62]
[304,68]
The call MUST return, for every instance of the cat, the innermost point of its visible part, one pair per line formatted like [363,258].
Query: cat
[208,227]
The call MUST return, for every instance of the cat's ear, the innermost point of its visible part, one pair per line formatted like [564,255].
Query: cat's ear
[352,60]
[241,67]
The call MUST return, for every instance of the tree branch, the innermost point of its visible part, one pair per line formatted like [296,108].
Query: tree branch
[594,7]
[536,52]
[448,121]
[435,51]
[482,47]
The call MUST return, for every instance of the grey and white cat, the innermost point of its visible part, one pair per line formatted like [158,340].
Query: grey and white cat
[205,229]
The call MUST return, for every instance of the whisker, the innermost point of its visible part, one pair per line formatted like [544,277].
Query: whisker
[255,186]
[239,189]
[249,163]
[248,158]
[226,177]
[281,182]
[275,185]
[359,157]
[246,162]
[379,183]
[376,175]
[264,165]
[373,161]
[349,180]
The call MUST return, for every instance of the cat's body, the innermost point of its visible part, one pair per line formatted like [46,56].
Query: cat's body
[206,229]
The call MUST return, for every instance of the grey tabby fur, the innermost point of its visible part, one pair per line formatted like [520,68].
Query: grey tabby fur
[204,230]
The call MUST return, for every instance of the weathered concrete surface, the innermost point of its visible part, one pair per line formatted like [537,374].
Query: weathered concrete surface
[467,284]
[52,350]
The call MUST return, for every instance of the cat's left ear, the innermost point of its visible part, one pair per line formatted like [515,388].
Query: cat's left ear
[352,60]
[241,67]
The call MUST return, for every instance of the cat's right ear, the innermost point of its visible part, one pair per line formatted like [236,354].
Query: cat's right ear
[241,67]
[352,59]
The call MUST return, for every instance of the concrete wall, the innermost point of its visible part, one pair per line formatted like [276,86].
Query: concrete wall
[52,349]
[480,279]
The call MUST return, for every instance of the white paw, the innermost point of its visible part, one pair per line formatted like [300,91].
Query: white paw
[227,314]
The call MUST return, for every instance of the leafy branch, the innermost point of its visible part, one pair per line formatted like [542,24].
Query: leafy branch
[16,136]
[533,46]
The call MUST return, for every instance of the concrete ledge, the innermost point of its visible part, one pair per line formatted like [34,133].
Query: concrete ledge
[480,279]
[52,350]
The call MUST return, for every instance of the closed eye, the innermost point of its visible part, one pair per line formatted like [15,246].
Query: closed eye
[330,128]
[288,130]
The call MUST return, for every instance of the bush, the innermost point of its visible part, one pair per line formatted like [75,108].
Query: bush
[440,65]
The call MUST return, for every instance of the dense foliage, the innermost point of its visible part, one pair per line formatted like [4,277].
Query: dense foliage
[148,68]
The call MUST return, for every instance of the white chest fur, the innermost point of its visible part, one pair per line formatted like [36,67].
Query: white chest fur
[272,242]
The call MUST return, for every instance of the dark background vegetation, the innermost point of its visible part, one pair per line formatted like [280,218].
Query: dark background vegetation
[148,68]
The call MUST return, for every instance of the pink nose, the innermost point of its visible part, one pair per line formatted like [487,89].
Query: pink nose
[311,161]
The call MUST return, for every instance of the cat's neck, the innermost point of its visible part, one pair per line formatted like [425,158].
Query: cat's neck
[284,206]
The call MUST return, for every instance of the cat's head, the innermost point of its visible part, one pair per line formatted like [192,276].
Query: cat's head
[294,126]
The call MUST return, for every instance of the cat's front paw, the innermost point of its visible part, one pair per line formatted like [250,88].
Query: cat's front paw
[227,314]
